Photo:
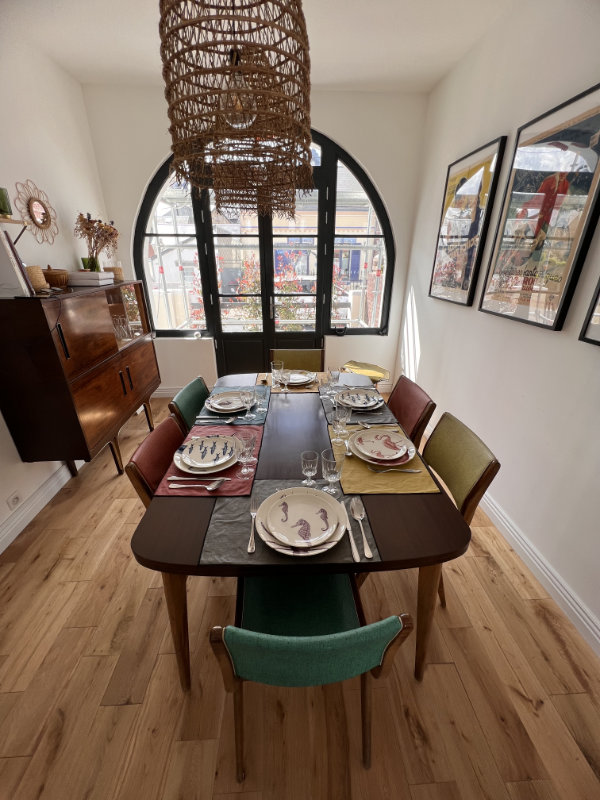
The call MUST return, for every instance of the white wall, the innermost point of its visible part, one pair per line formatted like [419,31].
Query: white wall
[533,395]
[45,138]
[381,131]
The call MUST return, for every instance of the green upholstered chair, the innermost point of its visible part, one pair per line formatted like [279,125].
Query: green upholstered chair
[312,360]
[464,463]
[188,402]
[412,407]
[304,630]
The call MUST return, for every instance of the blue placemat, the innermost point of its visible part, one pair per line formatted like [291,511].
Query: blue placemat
[263,394]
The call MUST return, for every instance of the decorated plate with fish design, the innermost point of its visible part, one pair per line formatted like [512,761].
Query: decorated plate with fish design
[225,402]
[181,457]
[302,517]
[384,445]
[208,451]
[360,399]
[407,456]
[269,539]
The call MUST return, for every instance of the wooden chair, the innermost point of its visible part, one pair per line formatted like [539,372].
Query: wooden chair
[464,463]
[412,407]
[151,460]
[303,631]
[188,402]
[312,360]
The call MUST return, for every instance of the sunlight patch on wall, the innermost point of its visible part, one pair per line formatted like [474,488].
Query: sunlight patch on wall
[411,345]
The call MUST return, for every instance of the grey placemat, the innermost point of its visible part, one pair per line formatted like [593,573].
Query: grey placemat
[381,415]
[263,393]
[226,539]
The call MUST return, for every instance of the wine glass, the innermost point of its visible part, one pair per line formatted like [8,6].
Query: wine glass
[334,377]
[310,461]
[248,398]
[341,415]
[331,467]
[247,440]
[284,377]
[276,367]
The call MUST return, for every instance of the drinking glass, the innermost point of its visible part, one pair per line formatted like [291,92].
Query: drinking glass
[246,455]
[331,467]
[310,461]
[341,415]
[284,377]
[248,398]
[334,377]
[276,367]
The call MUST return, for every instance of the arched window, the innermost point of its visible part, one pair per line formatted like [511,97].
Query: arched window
[268,282]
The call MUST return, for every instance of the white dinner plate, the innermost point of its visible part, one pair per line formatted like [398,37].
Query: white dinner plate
[360,399]
[408,455]
[300,377]
[225,402]
[180,464]
[268,538]
[381,444]
[208,451]
[303,517]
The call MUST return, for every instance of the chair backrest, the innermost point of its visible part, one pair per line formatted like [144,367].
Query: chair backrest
[300,359]
[465,464]
[188,402]
[151,460]
[312,660]
[412,407]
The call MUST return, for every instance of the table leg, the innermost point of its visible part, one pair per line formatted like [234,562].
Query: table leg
[429,578]
[176,597]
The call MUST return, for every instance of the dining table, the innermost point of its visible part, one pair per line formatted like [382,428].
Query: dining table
[180,535]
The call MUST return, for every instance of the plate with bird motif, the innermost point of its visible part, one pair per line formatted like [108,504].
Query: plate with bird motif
[407,455]
[360,399]
[302,517]
[384,445]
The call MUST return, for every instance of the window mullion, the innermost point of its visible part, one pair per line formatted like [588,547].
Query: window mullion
[326,236]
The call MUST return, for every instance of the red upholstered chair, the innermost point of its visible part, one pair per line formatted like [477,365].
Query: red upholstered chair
[412,407]
[151,460]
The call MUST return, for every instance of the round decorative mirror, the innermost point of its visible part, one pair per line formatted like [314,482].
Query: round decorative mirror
[36,212]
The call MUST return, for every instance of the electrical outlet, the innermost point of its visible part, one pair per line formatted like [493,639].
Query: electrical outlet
[13,501]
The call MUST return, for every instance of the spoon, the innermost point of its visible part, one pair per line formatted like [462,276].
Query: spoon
[213,421]
[209,487]
[197,478]
[393,469]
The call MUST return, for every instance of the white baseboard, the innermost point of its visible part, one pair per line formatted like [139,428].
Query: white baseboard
[19,519]
[580,615]
[166,391]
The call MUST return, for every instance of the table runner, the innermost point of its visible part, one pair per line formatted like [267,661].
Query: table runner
[380,416]
[237,486]
[226,539]
[357,478]
[307,387]
[262,393]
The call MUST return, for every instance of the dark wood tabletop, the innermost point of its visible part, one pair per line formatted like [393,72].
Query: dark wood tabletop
[411,530]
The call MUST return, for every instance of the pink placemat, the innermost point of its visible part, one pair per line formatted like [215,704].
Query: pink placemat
[237,486]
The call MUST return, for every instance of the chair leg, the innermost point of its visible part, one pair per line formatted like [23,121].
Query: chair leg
[441,590]
[366,709]
[360,578]
[238,719]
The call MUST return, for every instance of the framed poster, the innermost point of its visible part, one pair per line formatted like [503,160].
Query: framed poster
[468,197]
[591,327]
[548,215]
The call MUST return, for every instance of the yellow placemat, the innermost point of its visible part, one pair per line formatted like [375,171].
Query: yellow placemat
[265,379]
[357,478]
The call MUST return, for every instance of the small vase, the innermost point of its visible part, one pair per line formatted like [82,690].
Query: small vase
[91,263]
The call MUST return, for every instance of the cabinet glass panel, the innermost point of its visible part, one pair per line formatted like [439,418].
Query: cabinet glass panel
[125,304]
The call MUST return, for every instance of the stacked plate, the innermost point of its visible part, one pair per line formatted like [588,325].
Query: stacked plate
[203,455]
[301,377]
[225,402]
[360,399]
[301,521]
[381,446]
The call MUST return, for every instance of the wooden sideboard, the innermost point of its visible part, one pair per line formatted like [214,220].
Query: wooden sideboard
[75,366]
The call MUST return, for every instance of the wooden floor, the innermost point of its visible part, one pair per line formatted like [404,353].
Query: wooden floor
[90,704]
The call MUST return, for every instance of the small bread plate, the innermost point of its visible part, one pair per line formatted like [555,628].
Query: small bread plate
[300,377]
[360,399]
[225,402]
[409,453]
[321,541]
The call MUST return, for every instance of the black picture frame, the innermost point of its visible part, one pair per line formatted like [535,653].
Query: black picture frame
[590,331]
[548,215]
[471,183]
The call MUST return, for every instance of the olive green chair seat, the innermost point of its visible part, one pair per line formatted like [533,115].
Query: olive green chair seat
[312,360]
[188,402]
[304,631]
[464,463]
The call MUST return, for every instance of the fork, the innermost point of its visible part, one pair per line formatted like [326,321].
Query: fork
[254,504]
[393,469]
[213,421]
[358,512]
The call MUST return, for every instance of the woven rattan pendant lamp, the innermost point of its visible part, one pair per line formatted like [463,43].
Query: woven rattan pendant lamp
[237,81]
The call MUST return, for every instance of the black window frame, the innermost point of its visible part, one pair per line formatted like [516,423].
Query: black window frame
[331,155]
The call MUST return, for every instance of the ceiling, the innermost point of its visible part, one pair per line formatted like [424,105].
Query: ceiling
[382,45]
